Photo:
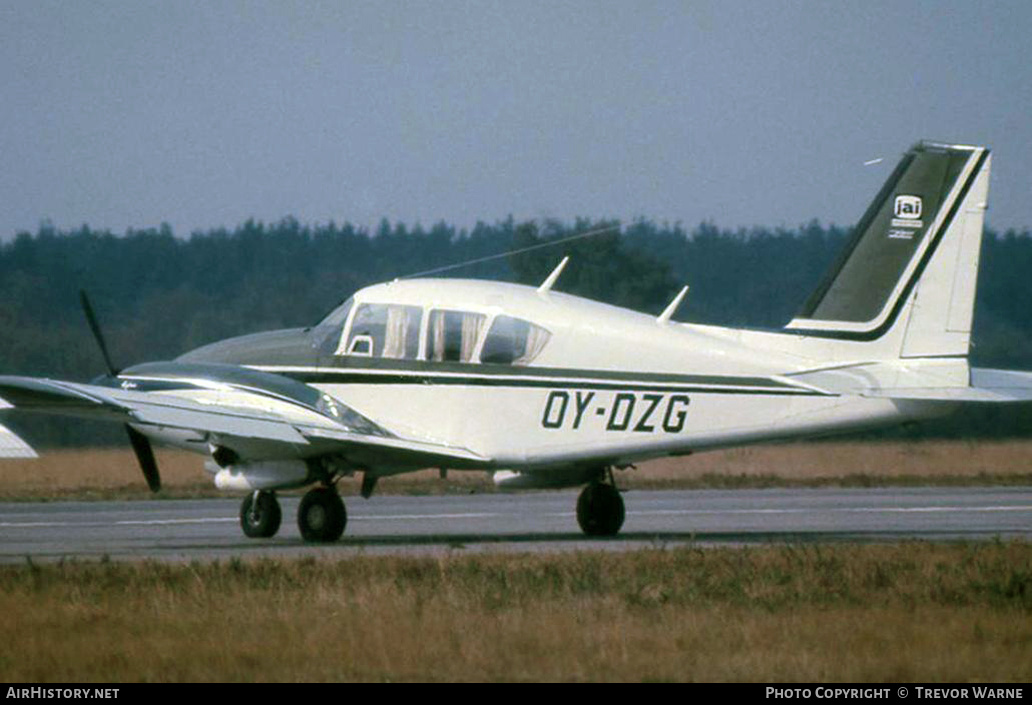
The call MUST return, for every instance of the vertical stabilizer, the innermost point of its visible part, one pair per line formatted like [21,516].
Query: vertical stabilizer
[907,278]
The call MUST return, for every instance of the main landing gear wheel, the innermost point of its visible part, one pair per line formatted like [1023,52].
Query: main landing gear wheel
[600,510]
[321,516]
[260,515]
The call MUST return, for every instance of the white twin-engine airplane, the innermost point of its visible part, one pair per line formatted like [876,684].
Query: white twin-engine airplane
[544,390]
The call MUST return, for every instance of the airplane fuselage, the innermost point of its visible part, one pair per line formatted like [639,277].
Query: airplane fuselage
[610,386]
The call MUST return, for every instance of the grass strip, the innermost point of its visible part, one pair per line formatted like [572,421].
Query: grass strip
[860,613]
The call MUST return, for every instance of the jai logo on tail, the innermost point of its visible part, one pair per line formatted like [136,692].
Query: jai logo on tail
[908,207]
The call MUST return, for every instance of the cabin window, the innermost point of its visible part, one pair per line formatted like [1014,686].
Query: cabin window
[380,330]
[512,341]
[452,335]
[403,332]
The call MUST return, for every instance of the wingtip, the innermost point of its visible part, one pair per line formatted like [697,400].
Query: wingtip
[12,446]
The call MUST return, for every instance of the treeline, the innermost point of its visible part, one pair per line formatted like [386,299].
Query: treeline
[158,295]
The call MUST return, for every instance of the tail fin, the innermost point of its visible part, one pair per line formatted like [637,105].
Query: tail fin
[907,278]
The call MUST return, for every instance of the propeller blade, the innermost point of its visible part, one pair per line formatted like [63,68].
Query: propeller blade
[95,327]
[145,456]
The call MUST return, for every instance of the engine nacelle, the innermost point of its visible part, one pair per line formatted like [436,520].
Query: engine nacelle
[544,479]
[263,475]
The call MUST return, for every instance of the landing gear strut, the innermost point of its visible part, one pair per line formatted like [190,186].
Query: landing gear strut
[600,509]
[260,515]
[321,515]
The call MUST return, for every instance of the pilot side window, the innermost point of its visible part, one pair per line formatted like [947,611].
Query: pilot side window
[380,330]
[512,341]
[452,335]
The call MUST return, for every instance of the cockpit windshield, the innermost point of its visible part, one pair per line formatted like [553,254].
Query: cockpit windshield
[327,333]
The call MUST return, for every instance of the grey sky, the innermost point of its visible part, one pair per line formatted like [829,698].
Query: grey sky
[203,114]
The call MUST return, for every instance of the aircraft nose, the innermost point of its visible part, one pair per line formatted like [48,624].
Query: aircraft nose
[279,347]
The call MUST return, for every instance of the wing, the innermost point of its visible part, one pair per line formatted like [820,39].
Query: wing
[266,419]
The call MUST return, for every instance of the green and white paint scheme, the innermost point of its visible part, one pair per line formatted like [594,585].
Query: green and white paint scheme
[544,389]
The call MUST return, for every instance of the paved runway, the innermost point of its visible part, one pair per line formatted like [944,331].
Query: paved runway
[183,530]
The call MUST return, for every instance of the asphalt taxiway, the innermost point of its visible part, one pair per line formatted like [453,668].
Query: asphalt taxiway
[184,530]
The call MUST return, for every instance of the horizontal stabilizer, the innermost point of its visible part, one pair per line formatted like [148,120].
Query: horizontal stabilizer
[1011,385]
[924,380]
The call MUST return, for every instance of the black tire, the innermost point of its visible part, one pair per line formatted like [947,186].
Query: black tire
[600,510]
[321,515]
[264,521]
